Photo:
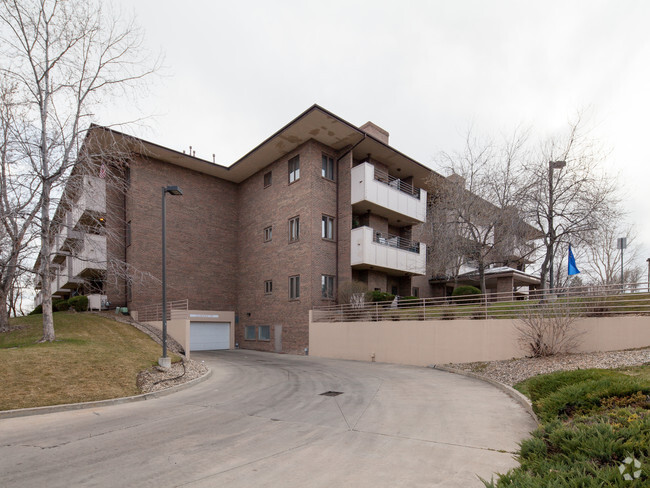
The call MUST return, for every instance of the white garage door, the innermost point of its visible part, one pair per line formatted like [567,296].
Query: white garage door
[208,336]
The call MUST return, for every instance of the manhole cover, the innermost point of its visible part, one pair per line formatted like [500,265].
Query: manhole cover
[332,393]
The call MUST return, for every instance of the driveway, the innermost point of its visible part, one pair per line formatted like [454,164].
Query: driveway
[261,421]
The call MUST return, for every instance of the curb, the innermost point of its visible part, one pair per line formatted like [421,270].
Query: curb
[514,394]
[26,412]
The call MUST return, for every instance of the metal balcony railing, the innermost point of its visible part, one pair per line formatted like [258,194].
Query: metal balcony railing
[584,301]
[396,183]
[396,241]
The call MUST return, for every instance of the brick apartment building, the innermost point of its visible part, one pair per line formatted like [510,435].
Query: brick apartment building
[319,203]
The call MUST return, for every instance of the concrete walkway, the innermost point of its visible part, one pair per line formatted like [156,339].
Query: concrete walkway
[261,421]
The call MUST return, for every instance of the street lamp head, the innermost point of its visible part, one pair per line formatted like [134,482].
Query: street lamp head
[174,190]
[556,164]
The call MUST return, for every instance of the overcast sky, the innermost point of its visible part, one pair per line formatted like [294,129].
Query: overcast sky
[235,72]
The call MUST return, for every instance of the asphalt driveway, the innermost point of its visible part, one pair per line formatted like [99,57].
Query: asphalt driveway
[261,420]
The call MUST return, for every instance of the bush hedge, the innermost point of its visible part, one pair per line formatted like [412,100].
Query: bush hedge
[60,305]
[462,294]
[381,296]
[37,310]
[79,303]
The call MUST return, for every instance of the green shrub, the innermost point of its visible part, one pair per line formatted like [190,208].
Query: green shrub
[79,303]
[381,296]
[463,294]
[60,305]
[38,310]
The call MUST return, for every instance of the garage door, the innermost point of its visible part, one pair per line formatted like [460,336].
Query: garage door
[208,336]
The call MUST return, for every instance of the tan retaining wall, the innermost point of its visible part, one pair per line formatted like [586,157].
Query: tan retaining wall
[422,343]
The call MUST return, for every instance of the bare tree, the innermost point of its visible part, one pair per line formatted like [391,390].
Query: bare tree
[567,202]
[19,202]
[64,57]
[475,213]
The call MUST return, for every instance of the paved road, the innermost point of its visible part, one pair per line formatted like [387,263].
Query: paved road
[261,421]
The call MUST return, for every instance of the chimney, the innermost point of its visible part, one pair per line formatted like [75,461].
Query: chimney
[375,131]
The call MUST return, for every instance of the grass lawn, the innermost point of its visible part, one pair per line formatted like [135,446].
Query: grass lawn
[93,358]
[592,421]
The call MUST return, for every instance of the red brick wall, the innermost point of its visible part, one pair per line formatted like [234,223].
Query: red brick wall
[201,236]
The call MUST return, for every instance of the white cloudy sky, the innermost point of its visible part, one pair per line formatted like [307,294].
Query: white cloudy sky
[237,71]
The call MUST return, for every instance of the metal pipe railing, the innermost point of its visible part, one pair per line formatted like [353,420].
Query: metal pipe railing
[584,301]
[397,183]
[391,240]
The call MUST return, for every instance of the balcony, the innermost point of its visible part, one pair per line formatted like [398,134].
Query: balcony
[387,196]
[384,252]
[91,204]
[90,260]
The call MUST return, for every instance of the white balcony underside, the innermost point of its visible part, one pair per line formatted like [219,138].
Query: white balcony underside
[385,198]
[367,254]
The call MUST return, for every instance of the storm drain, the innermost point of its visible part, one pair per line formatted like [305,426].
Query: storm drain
[332,393]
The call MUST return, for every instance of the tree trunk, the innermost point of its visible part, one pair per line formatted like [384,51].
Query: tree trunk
[46,286]
[4,315]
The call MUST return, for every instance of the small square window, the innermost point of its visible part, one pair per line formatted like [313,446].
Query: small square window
[268,233]
[294,229]
[328,168]
[294,287]
[249,333]
[327,227]
[268,179]
[294,169]
[264,332]
[268,287]
[327,285]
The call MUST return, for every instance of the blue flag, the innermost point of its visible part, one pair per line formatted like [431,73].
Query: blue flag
[573,269]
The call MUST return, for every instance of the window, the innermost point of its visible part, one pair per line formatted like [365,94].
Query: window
[264,332]
[294,229]
[327,227]
[268,233]
[249,333]
[328,168]
[327,285]
[128,233]
[416,292]
[294,287]
[129,292]
[294,169]
[268,179]
[268,287]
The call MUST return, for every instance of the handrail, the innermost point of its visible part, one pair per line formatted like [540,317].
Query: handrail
[391,240]
[583,301]
[397,183]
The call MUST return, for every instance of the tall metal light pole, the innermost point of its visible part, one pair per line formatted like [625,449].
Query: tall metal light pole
[648,260]
[621,243]
[164,361]
[551,229]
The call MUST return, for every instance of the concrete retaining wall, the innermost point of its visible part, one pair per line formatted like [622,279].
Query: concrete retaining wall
[423,343]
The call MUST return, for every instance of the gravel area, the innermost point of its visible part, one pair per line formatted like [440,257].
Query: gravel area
[157,378]
[513,371]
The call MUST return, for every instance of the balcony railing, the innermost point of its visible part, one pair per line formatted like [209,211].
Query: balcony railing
[396,183]
[396,241]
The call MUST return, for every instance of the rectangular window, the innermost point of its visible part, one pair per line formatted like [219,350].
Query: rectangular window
[268,179]
[268,287]
[327,227]
[327,285]
[294,169]
[294,229]
[264,332]
[268,233]
[416,292]
[129,292]
[328,168]
[249,333]
[294,287]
